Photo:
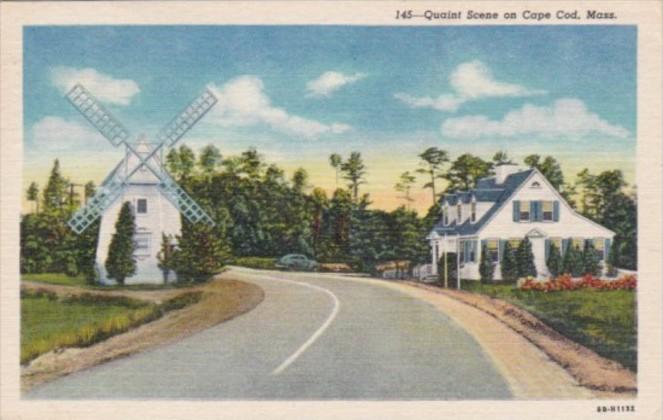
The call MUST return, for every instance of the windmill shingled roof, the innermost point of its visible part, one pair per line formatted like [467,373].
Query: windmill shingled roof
[487,191]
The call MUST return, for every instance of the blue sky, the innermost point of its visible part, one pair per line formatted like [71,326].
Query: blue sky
[298,93]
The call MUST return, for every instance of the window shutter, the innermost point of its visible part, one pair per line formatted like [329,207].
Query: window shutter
[606,248]
[565,245]
[556,211]
[539,212]
[475,245]
[501,245]
[516,210]
[533,210]
[547,244]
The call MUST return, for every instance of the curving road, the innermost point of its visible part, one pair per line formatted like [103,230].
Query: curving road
[315,336]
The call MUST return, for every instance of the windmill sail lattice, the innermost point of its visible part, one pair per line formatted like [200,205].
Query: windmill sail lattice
[117,135]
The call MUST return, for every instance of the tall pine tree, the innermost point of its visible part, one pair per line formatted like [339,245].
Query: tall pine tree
[121,262]
[554,261]
[486,267]
[525,257]
[509,264]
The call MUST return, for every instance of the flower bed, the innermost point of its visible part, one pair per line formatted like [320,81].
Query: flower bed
[566,282]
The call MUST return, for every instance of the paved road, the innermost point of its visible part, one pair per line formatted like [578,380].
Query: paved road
[315,336]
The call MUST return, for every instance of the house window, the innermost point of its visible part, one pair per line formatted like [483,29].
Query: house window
[143,242]
[492,249]
[524,211]
[599,245]
[547,209]
[515,243]
[558,243]
[141,206]
[472,245]
[535,184]
[459,212]
[578,243]
[445,215]
[473,208]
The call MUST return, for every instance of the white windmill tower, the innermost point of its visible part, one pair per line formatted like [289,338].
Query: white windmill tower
[141,179]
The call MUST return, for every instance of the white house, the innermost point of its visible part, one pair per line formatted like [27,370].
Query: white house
[514,204]
[154,215]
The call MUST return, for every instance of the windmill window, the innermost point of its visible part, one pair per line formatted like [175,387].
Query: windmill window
[143,242]
[141,206]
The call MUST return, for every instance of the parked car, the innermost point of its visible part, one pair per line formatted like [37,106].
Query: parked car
[296,262]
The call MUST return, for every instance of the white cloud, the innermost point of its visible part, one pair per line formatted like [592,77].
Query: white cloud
[243,102]
[58,134]
[469,81]
[331,81]
[102,86]
[565,117]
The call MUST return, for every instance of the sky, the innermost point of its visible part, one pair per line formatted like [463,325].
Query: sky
[299,93]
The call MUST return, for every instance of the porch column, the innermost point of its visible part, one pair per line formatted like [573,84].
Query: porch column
[434,251]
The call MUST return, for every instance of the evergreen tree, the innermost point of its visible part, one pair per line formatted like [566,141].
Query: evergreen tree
[209,159]
[165,257]
[613,259]
[486,267]
[335,161]
[55,193]
[202,251]
[452,270]
[354,171]
[33,195]
[432,160]
[525,258]
[509,264]
[590,260]
[465,171]
[572,262]
[121,262]
[90,190]
[554,261]
[405,186]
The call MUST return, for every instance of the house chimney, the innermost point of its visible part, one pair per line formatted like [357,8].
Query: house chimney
[503,170]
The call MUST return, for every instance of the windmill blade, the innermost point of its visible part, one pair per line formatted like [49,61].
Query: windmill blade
[178,126]
[106,194]
[97,115]
[183,202]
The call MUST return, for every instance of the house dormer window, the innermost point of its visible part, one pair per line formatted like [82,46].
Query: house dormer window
[473,212]
[445,215]
[459,212]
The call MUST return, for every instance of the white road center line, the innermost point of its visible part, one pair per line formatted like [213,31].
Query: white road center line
[337,305]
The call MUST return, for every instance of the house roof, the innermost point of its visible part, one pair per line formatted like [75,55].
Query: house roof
[487,190]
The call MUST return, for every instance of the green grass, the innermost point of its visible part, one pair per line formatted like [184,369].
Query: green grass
[55,278]
[602,320]
[49,322]
[264,263]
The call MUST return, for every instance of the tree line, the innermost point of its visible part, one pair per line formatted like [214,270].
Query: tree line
[259,211]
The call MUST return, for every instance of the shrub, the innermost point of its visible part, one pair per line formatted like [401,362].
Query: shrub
[452,269]
[486,267]
[509,264]
[566,282]
[590,260]
[554,261]
[525,259]
[121,262]
[263,263]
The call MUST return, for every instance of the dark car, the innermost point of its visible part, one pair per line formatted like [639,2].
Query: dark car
[296,262]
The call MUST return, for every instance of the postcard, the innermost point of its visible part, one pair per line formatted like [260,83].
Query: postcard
[331,209]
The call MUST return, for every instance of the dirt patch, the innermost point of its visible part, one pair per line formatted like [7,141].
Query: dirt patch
[222,300]
[587,367]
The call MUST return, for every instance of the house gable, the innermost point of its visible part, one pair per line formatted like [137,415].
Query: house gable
[537,188]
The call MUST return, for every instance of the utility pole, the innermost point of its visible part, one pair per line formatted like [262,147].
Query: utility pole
[446,270]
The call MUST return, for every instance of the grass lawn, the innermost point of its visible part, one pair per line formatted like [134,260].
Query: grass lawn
[48,323]
[55,278]
[602,320]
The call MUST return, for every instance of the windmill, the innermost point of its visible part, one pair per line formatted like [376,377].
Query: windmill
[141,179]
